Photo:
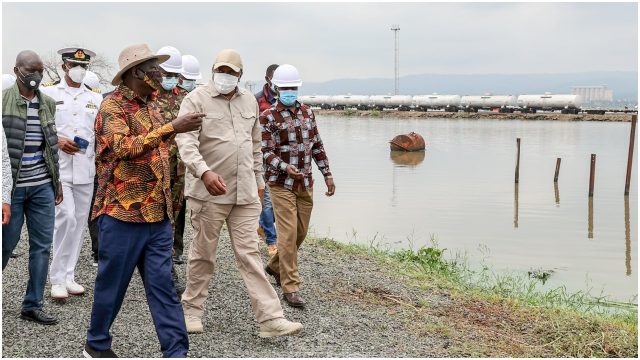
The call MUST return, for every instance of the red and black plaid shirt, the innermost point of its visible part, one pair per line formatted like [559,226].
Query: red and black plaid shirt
[290,136]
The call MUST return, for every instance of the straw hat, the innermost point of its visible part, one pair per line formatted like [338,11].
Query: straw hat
[132,56]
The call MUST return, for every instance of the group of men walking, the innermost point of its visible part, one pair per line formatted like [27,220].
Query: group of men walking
[128,162]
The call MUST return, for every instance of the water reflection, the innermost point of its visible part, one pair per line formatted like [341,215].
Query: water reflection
[464,195]
[406,158]
[557,193]
[627,234]
[590,219]
[515,205]
[403,159]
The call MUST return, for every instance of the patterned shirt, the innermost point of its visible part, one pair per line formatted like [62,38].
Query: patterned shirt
[132,159]
[291,138]
[33,170]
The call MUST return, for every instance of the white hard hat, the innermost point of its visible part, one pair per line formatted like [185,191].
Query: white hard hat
[286,76]
[8,80]
[91,80]
[174,64]
[191,67]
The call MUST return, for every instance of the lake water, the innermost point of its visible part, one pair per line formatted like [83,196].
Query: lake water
[461,190]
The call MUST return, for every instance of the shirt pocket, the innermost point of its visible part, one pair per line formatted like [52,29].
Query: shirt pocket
[213,127]
[248,122]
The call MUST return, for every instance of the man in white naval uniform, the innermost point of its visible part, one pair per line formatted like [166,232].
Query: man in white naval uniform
[76,110]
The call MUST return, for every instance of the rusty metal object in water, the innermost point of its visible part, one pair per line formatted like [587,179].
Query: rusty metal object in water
[407,158]
[407,142]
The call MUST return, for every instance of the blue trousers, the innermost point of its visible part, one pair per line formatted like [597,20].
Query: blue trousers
[37,203]
[123,247]
[267,219]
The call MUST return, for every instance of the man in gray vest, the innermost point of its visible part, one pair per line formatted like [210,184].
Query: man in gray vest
[28,121]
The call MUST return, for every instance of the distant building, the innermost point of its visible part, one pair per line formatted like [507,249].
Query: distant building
[593,93]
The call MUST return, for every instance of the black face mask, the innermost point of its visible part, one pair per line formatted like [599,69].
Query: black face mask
[31,81]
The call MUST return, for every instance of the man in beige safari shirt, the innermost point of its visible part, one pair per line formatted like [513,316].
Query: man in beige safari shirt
[224,165]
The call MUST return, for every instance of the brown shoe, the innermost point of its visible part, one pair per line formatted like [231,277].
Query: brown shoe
[275,275]
[272,249]
[261,233]
[294,299]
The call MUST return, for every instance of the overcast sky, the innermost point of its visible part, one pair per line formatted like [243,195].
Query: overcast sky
[333,40]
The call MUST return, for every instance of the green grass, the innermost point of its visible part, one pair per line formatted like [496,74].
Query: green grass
[500,313]
[349,112]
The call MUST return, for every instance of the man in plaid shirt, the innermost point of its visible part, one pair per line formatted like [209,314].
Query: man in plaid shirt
[290,139]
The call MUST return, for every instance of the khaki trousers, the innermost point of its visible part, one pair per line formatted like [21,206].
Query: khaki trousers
[207,219]
[293,212]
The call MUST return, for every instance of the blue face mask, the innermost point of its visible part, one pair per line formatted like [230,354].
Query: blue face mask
[168,83]
[288,97]
[188,84]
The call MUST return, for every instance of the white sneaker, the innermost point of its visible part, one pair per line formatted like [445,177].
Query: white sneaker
[74,288]
[279,327]
[194,324]
[59,292]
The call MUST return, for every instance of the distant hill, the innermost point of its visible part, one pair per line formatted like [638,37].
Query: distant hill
[623,83]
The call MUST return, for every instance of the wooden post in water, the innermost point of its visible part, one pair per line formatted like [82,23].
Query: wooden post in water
[515,206]
[555,177]
[518,161]
[590,219]
[592,174]
[632,139]
[627,235]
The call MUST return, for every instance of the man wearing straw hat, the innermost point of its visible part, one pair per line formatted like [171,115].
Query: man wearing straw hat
[133,203]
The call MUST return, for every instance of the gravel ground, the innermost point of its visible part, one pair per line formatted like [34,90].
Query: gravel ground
[352,311]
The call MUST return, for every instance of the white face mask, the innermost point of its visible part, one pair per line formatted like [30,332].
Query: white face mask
[224,83]
[77,74]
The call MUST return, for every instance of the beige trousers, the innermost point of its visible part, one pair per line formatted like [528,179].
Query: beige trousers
[207,219]
[293,212]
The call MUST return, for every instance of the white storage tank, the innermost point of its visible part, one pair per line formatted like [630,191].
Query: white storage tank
[403,102]
[360,102]
[549,101]
[437,101]
[489,101]
[357,100]
[337,101]
[315,100]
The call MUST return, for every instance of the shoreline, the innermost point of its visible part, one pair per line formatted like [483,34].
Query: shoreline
[479,115]
[361,302]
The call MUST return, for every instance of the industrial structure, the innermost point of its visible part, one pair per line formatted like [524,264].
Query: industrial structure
[396,34]
[566,103]
[590,94]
